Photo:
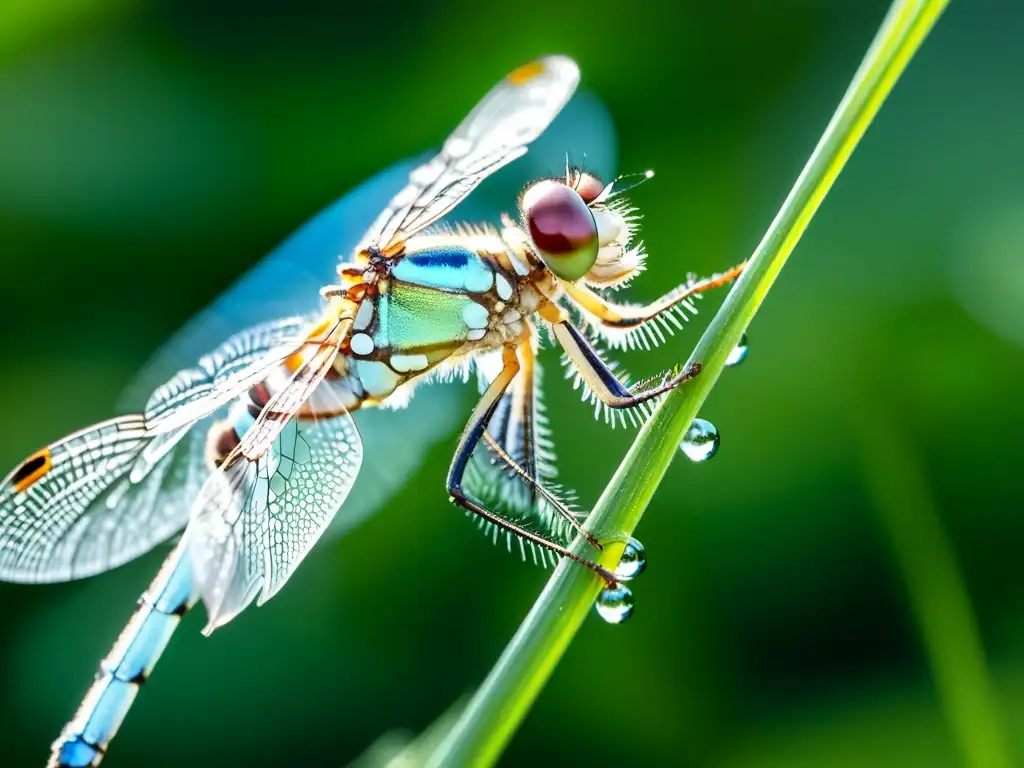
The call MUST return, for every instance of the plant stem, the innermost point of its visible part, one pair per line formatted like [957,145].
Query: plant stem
[935,589]
[499,706]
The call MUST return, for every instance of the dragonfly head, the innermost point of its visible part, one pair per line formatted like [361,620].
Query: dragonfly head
[562,227]
[582,228]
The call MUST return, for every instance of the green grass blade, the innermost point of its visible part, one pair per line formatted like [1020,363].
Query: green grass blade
[499,706]
[936,591]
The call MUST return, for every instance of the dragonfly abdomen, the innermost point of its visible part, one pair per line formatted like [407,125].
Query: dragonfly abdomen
[224,436]
[126,667]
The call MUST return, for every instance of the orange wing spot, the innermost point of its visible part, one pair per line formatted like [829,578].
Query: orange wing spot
[314,339]
[35,466]
[294,361]
[325,325]
[395,250]
[525,73]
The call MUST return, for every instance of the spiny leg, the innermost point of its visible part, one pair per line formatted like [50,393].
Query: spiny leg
[623,317]
[522,404]
[563,511]
[601,379]
[471,436]
[521,411]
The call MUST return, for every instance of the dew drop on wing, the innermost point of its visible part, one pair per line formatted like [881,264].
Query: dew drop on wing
[615,604]
[739,352]
[632,562]
[701,440]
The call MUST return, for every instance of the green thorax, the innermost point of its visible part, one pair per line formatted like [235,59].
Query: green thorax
[437,298]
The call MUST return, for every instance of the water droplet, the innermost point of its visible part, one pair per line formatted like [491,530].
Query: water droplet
[615,604]
[701,440]
[632,562]
[739,352]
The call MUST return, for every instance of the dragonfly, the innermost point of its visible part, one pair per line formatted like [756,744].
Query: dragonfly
[249,454]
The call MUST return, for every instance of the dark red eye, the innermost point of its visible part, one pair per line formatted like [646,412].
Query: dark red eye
[562,227]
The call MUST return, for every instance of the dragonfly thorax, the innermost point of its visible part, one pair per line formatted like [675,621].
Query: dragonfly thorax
[447,296]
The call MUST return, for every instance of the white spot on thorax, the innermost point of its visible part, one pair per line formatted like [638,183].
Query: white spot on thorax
[474,315]
[514,330]
[364,315]
[406,363]
[378,380]
[361,344]
[529,300]
[518,265]
[504,287]
[479,280]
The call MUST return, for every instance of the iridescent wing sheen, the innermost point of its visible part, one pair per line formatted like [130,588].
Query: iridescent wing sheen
[512,114]
[258,516]
[117,489]
[318,353]
[401,438]
[286,282]
[288,279]
[106,494]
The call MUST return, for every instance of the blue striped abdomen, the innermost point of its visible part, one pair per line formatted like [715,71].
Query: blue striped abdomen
[126,667]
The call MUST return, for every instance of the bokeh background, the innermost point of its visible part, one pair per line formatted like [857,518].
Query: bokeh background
[840,585]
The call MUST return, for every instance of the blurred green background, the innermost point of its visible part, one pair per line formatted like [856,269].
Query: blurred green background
[840,586]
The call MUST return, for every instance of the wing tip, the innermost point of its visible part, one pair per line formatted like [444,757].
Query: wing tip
[560,61]
[557,65]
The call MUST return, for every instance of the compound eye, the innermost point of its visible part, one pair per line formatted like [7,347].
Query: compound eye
[562,227]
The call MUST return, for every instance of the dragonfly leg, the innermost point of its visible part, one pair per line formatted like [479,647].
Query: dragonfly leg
[623,317]
[602,380]
[522,406]
[563,511]
[471,437]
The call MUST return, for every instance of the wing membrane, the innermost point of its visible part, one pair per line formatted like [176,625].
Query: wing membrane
[285,282]
[260,514]
[103,496]
[514,113]
[122,504]
[41,520]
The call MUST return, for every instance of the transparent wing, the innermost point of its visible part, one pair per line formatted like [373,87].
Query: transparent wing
[315,356]
[285,282]
[258,516]
[106,494]
[241,362]
[110,493]
[44,503]
[512,114]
